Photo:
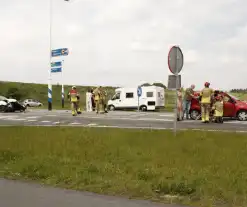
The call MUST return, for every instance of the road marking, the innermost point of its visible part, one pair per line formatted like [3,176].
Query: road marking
[157,128]
[45,121]
[8,117]
[33,120]
[56,122]
[92,124]
[17,119]
[74,123]
[52,115]
[32,117]
[123,118]
[167,115]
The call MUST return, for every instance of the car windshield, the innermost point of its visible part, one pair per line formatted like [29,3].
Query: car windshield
[2,98]
[234,97]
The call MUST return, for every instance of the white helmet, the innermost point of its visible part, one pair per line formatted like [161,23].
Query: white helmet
[73,87]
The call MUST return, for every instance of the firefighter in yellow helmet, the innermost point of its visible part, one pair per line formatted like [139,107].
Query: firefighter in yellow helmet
[205,96]
[74,97]
[96,94]
[104,104]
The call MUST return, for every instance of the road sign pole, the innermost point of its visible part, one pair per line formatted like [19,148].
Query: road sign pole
[176,100]
[62,85]
[139,93]
[138,104]
[49,71]
[175,64]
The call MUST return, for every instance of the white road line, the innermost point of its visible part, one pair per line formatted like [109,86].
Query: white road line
[8,117]
[33,120]
[74,123]
[32,117]
[156,128]
[132,119]
[167,115]
[51,115]
[92,124]
[45,121]
[56,122]
[14,119]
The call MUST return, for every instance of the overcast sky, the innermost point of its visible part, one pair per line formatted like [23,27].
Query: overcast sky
[125,42]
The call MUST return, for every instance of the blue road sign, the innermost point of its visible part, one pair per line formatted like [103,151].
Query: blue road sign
[56,70]
[139,91]
[56,64]
[60,52]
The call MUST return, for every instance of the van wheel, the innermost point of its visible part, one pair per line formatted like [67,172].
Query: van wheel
[143,108]
[242,115]
[111,108]
[195,115]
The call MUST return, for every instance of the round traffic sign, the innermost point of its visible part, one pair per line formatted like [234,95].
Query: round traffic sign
[139,91]
[175,60]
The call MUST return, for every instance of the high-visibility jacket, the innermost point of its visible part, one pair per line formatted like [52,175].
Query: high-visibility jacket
[219,108]
[96,93]
[206,95]
[73,95]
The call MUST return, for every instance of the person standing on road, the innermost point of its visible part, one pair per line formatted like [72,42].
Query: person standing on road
[218,108]
[179,105]
[206,97]
[101,100]
[89,101]
[92,99]
[96,93]
[189,94]
[104,105]
[73,95]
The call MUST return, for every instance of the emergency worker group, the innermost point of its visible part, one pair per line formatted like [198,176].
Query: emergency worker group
[95,100]
[210,101]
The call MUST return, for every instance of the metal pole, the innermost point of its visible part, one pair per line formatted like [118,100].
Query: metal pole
[138,104]
[49,70]
[176,109]
[62,86]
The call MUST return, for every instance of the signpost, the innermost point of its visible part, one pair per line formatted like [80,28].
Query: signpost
[139,94]
[56,70]
[60,52]
[172,82]
[175,64]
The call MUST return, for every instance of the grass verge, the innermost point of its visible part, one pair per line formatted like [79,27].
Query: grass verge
[196,168]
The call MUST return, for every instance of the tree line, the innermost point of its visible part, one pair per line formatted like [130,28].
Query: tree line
[240,90]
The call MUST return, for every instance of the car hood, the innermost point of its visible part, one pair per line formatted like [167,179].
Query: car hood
[242,103]
[3,103]
[11,100]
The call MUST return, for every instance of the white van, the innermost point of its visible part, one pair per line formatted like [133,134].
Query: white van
[152,98]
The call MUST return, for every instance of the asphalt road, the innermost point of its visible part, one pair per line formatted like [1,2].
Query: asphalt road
[14,193]
[117,119]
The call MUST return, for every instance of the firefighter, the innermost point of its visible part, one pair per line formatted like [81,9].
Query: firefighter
[101,100]
[74,97]
[104,105]
[96,94]
[206,97]
[218,109]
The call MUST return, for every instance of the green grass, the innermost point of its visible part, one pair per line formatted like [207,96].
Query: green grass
[197,168]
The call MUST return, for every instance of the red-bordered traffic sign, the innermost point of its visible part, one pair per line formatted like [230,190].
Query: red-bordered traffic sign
[175,60]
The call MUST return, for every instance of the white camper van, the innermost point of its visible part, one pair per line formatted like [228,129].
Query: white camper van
[152,98]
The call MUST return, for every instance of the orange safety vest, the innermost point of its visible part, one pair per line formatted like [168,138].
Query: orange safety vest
[73,95]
